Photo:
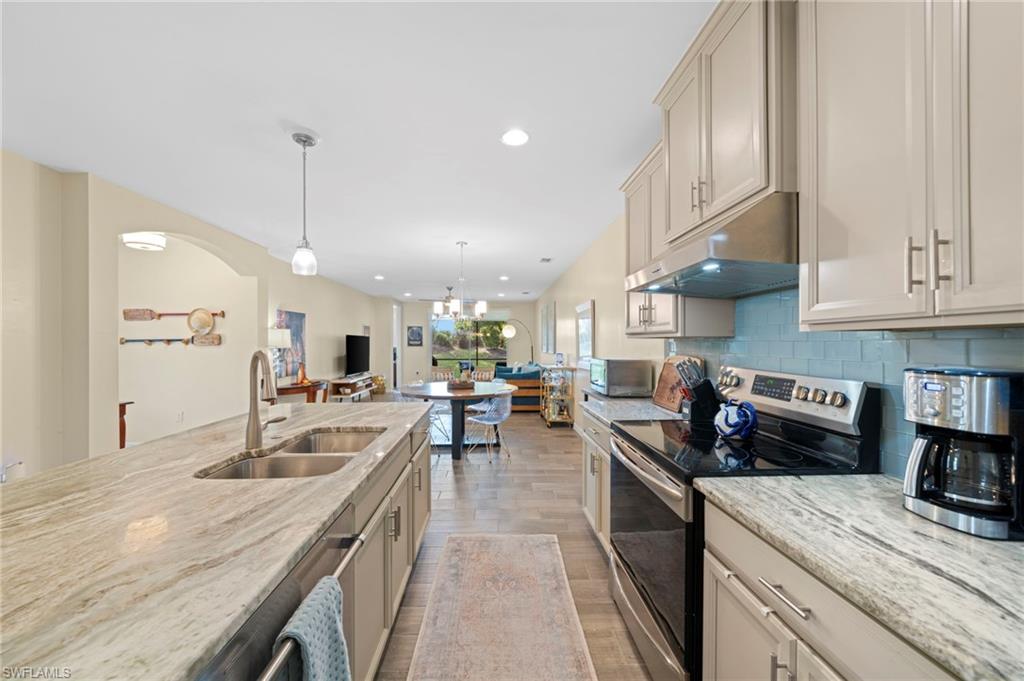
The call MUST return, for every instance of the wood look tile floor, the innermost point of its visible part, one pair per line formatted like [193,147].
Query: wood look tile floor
[538,491]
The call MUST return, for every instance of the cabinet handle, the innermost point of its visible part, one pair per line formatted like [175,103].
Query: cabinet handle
[419,479]
[397,513]
[702,186]
[642,309]
[908,265]
[774,666]
[592,471]
[693,197]
[652,315]
[933,273]
[776,590]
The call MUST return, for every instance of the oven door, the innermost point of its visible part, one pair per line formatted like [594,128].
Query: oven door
[652,537]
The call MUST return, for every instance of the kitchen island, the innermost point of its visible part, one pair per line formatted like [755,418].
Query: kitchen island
[127,565]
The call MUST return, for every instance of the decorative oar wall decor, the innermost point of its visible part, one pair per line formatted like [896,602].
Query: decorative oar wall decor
[200,322]
[208,339]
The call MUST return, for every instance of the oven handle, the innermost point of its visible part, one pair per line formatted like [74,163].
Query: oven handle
[634,468]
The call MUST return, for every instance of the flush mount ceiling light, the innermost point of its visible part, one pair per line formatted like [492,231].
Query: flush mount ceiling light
[144,241]
[515,138]
[304,261]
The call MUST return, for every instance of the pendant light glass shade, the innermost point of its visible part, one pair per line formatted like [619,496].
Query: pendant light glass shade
[456,307]
[304,261]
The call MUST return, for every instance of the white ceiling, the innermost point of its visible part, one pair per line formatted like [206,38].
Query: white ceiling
[192,105]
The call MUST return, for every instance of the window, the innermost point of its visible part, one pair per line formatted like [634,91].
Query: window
[479,342]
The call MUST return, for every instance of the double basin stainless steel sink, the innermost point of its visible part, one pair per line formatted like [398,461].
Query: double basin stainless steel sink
[313,454]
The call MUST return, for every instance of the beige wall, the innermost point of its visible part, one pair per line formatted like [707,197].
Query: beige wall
[597,274]
[178,387]
[89,214]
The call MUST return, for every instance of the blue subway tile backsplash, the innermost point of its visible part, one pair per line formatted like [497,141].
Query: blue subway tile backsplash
[768,337]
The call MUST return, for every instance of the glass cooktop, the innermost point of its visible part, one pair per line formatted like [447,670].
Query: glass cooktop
[780,447]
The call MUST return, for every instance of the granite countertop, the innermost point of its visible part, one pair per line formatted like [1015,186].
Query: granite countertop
[957,598]
[127,566]
[608,409]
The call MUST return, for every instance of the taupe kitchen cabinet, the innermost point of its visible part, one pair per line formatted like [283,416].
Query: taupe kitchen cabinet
[421,496]
[372,598]
[400,535]
[767,617]
[901,227]
[729,116]
[810,667]
[662,315]
[743,638]
[646,208]
[591,483]
[595,447]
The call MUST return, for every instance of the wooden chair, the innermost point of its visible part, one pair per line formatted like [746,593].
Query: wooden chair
[441,375]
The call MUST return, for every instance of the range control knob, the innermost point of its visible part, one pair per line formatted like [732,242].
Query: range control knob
[802,392]
[837,399]
[818,395]
[732,380]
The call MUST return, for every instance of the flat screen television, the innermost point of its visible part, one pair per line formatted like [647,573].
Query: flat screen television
[357,354]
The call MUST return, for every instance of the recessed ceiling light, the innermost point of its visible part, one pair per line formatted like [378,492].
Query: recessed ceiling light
[407,295]
[503,277]
[378,277]
[501,295]
[515,138]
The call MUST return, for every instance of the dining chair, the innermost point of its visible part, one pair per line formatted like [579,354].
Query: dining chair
[490,421]
[485,404]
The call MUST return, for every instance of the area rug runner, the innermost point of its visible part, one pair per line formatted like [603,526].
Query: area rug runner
[501,610]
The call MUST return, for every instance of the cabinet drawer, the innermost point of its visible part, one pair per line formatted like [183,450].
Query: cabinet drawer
[855,644]
[370,497]
[588,426]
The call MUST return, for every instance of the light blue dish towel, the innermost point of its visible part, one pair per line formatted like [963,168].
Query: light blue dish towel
[316,628]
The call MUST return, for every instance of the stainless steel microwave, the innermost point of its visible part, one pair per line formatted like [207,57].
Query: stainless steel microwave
[622,377]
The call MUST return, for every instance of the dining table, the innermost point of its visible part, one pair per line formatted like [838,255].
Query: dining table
[459,398]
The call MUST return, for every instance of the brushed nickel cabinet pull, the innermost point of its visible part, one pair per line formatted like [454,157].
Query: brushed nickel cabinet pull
[776,590]
[774,666]
[702,187]
[693,196]
[933,273]
[908,266]
[419,479]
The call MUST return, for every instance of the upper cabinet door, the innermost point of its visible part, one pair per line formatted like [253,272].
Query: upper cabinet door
[658,228]
[863,173]
[682,143]
[978,248]
[735,108]
[637,225]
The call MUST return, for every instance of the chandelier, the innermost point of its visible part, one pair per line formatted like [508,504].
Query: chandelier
[455,308]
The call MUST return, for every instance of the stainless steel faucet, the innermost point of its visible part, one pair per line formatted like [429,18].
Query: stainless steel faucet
[254,429]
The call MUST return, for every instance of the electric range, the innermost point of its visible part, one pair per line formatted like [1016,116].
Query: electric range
[807,426]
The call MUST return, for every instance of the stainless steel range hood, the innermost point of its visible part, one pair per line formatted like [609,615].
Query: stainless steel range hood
[752,252]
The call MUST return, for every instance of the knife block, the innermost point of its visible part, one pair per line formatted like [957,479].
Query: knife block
[704,405]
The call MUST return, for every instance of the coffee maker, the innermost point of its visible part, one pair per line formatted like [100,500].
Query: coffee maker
[965,466]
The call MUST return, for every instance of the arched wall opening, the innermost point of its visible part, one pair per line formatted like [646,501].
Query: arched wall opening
[175,387]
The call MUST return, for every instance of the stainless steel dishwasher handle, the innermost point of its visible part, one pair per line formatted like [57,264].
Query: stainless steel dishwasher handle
[776,590]
[652,481]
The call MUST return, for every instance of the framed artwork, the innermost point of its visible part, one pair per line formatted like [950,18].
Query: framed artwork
[585,330]
[288,361]
[414,336]
[547,328]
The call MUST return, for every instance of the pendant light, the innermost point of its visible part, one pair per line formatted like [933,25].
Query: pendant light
[304,261]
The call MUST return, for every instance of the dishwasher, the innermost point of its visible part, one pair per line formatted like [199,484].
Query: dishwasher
[249,654]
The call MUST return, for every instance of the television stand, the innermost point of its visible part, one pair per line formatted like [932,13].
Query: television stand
[353,388]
